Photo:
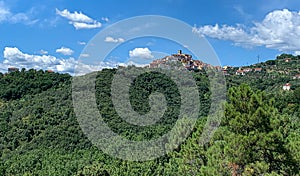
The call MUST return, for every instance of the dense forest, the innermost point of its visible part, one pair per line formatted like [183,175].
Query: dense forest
[259,134]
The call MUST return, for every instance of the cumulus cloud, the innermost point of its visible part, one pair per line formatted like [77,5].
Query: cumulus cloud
[80,17]
[4,12]
[84,55]
[82,68]
[13,57]
[3,68]
[141,53]
[79,20]
[65,51]
[105,19]
[81,43]
[82,25]
[43,52]
[297,53]
[280,29]
[114,40]
[7,16]
[135,63]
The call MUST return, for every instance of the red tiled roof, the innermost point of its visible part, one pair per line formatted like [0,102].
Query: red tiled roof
[257,69]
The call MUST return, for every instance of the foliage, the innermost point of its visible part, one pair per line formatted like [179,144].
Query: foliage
[259,135]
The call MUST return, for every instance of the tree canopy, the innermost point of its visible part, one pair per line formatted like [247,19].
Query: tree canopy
[40,135]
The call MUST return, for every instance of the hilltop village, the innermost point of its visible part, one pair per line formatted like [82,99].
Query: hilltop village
[186,59]
[195,65]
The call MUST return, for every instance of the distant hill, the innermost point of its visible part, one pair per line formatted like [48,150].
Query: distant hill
[17,84]
[271,75]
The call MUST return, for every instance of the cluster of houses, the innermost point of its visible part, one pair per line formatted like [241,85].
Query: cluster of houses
[186,61]
[243,71]
[166,62]
[240,71]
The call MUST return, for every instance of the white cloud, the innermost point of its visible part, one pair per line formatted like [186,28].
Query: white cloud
[105,19]
[236,34]
[43,52]
[13,57]
[19,17]
[66,65]
[297,53]
[79,20]
[280,29]
[82,68]
[3,68]
[81,25]
[84,55]
[135,63]
[7,16]
[79,17]
[114,40]
[65,51]
[4,12]
[81,43]
[242,12]
[141,53]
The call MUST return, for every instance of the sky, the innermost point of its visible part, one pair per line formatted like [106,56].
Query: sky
[52,34]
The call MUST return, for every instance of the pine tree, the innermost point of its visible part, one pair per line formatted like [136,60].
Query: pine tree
[251,138]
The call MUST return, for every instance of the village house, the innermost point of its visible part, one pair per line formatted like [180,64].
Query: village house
[226,67]
[287,59]
[185,58]
[257,69]
[12,69]
[218,68]
[240,72]
[246,70]
[287,86]
[49,71]
[225,72]
[296,76]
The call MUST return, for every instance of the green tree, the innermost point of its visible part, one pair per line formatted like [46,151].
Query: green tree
[251,139]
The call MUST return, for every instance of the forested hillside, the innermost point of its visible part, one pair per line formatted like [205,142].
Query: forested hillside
[270,75]
[259,135]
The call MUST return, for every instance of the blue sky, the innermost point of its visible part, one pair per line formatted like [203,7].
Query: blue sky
[52,34]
